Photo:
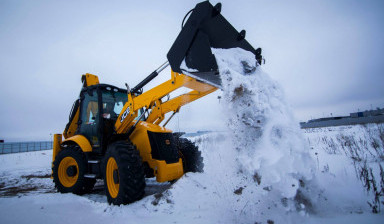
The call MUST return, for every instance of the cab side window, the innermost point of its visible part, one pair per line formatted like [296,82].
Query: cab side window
[92,111]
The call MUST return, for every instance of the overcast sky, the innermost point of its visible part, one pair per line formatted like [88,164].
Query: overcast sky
[326,54]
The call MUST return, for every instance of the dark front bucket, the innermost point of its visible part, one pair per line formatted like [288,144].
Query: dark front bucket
[206,28]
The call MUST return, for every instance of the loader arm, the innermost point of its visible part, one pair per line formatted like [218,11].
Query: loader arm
[151,101]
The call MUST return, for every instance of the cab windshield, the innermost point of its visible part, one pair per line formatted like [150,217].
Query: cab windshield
[113,102]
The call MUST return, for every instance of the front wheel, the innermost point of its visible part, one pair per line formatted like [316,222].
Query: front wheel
[124,178]
[68,171]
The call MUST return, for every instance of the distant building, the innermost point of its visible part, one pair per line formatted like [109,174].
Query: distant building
[368,116]
[368,113]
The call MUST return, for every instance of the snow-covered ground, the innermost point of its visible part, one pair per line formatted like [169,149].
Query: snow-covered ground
[350,162]
[27,193]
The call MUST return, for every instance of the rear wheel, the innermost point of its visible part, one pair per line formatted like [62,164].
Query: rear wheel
[68,171]
[191,156]
[124,179]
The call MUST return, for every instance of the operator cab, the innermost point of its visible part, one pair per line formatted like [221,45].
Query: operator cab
[100,105]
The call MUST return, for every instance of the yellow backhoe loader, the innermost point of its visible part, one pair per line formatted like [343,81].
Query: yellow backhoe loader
[116,134]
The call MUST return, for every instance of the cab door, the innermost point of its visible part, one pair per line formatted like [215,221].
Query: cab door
[90,117]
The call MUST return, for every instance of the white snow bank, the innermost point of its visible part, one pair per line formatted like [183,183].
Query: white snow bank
[266,136]
[252,174]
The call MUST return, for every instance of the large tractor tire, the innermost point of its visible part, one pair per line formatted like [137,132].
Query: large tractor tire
[68,171]
[190,154]
[124,177]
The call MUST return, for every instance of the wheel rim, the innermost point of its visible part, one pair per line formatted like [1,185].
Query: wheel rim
[113,187]
[65,179]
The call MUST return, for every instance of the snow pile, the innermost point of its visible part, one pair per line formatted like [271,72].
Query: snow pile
[265,133]
[259,170]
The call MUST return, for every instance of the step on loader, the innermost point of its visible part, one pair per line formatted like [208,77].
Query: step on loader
[119,135]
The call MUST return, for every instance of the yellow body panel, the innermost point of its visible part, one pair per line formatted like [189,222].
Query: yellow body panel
[167,172]
[162,170]
[73,126]
[127,114]
[81,141]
